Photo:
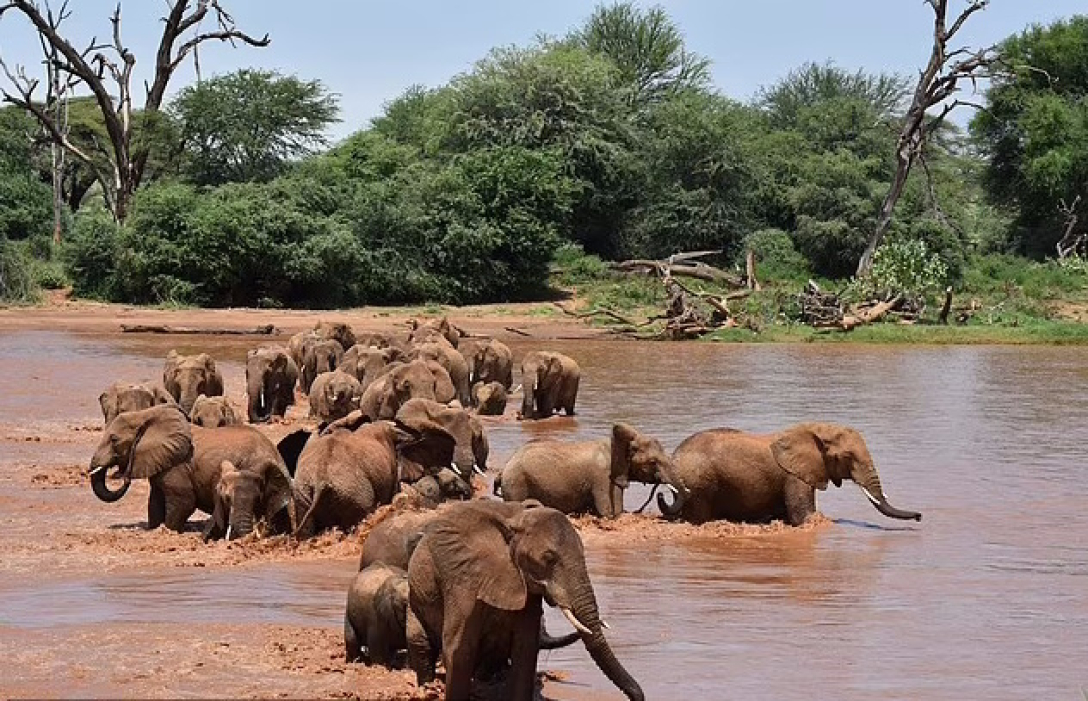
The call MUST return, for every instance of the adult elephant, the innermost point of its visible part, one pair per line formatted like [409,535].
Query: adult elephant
[271,375]
[334,395]
[453,363]
[426,417]
[367,363]
[425,379]
[186,377]
[336,330]
[213,412]
[586,476]
[477,581]
[435,329]
[740,476]
[297,343]
[489,360]
[129,396]
[549,383]
[350,468]
[184,465]
[319,355]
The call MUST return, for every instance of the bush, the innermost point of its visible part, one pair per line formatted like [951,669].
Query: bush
[90,255]
[776,256]
[905,267]
[49,274]
[16,278]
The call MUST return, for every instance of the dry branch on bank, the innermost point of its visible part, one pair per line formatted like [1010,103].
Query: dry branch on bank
[264,330]
[676,265]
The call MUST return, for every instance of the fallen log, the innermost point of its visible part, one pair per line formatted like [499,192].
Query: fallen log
[264,330]
[850,322]
[665,268]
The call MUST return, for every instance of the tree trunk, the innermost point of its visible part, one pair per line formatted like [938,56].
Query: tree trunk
[904,161]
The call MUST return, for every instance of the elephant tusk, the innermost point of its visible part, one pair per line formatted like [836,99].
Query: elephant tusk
[98,469]
[516,390]
[578,625]
[870,496]
[604,624]
[227,537]
[477,469]
[674,490]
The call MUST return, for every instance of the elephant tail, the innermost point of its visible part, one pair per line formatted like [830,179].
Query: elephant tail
[304,522]
[496,489]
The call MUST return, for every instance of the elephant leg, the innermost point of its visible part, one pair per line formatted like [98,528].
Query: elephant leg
[460,640]
[800,501]
[156,506]
[352,648]
[526,646]
[608,500]
[422,654]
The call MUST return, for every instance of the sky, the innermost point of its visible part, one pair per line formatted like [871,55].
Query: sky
[369,51]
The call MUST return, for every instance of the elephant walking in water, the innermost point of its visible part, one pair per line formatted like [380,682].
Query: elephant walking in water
[740,476]
[549,383]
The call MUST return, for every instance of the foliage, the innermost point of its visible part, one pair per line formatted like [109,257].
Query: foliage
[776,256]
[1035,132]
[789,101]
[16,274]
[904,267]
[26,204]
[248,125]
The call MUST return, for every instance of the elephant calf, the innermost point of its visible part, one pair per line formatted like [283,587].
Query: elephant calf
[489,398]
[124,396]
[586,476]
[374,623]
[549,383]
[186,377]
[212,412]
[334,395]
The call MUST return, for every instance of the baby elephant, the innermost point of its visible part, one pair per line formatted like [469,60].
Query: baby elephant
[213,412]
[489,398]
[374,624]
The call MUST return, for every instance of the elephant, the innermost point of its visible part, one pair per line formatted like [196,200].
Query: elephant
[549,383]
[271,375]
[319,355]
[334,395]
[476,583]
[243,496]
[434,329]
[297,343]
[586,476]
[489,361]
[213,412]
[392,540]
[126,396]
[383,340]
[186,377]
[336,330]
[443,485]
[403,381]
[375,617]
[367,363]
[739,476]
[349,469]
[453,362]
[184,465]
[425,417]
[489,398]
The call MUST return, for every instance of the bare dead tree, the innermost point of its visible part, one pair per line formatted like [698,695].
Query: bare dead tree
[1071,240]
[105,69]
[937,83]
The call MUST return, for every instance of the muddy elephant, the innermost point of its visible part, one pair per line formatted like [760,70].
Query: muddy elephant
[434,330]
[186,377]
[184,465]
[297,343]
[392,540]
[477,580]
[374,621]
[586,476]
[244,496]
[383,339]
[350,468]
[489,360]
[334,395]
[489,398]
[549,383]
[425,379]
[425,417]
[367,363]
[213,412]
[442,486]
[336,330]
[271,376]
[129,396]
[452,361]
[740,476]
[318,355]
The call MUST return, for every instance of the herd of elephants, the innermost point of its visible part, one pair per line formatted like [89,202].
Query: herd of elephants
[464,579]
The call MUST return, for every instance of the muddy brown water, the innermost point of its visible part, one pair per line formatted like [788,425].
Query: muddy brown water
[986,598]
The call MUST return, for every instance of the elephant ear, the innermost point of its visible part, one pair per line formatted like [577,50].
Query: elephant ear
[473,545]
[162,396]
[801,452]
[108,402]
[169,368]
[421,438]
[290,447]
[163,440]
[481,448]
[277,494]
[622,435]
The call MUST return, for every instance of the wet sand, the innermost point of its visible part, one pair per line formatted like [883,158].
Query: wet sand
[986,598]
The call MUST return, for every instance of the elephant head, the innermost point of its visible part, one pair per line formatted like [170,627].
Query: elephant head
[270,374]
[641,458]
[470,445]
[817,452]
[506,552]
[141,444]
[243,496]
[188,376]
[490,361]
[336,330]
[424,379]
[489,398]
[540,371]
[123,396]
[212,412]
[334,395]
[436,329]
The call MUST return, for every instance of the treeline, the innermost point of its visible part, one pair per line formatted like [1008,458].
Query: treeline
[611,139]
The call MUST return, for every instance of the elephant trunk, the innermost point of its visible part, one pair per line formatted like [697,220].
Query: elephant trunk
[528,396]
[586,612]
[869,481]
[101,489]
[667,476]
[259,409]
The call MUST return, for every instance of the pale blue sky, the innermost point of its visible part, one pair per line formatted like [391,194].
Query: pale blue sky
[369,51]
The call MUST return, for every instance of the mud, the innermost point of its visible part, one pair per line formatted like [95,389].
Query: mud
[985,598]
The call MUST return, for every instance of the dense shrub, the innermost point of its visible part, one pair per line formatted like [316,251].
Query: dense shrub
[16,273]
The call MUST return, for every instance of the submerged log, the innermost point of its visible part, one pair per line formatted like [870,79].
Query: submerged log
[264,330]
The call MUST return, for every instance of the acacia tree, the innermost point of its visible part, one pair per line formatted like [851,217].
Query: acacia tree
[938,82]
[105,69]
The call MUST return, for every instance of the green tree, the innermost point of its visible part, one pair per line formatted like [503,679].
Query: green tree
[25,201]
[249,125]
[1035,133]
[811,84]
